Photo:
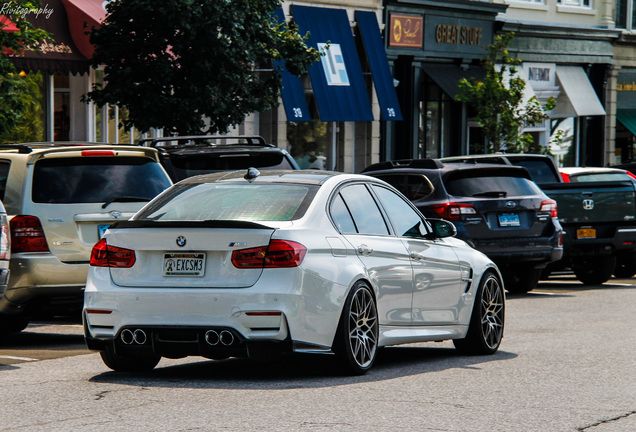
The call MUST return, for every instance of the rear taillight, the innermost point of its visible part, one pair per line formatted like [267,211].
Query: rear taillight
[104,255]
[565,177]
[549,206]
[27,235]
[97,153]
[279,253]
[5,239]
[453,211]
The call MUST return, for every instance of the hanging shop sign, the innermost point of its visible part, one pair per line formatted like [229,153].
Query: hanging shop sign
[406,30]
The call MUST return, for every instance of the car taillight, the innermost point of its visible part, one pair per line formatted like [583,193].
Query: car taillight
[104,255]
[27,235]
[279,253]
[453,211]
[565,177]
[549,206]
[98,153]
[5,239]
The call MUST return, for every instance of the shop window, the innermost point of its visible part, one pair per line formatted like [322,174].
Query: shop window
[311,144]
[562,141]
[434,122]
[61,107]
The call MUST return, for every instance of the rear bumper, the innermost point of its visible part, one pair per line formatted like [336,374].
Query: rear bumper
[622,240]
[287,310]
[41,280]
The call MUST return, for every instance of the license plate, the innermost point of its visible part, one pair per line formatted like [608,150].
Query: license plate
[184,264]
[586,233]
[101,229]
[509,220]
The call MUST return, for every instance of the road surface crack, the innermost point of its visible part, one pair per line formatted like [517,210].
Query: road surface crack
[620,417]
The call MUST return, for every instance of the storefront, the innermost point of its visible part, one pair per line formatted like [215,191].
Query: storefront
[330,118]
[573,65]
[432,45]
[625,150]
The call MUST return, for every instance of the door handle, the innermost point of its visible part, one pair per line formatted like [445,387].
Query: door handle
[416,256]
[364,250]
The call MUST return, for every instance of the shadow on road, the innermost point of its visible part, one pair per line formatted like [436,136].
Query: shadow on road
[298,371]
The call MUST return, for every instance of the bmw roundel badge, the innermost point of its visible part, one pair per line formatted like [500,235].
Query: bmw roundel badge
[181,241]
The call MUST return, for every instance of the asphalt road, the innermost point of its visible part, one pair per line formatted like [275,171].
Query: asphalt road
[566,364]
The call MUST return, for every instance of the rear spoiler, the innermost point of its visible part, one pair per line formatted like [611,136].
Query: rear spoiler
[227,224]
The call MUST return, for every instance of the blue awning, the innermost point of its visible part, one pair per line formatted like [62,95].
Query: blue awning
[292,91]
[338,83]
[376,54]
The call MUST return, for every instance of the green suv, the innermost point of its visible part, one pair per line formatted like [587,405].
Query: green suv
[60,199]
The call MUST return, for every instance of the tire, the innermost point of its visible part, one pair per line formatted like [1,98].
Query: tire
[521,279]
[625,266]
[356,340]
[486,327]
[13,323]
[122,363]
[594,271]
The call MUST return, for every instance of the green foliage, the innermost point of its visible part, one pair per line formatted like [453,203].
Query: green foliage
[172,63]
[16,97]
[498,101]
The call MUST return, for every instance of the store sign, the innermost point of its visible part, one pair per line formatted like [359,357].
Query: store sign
[626,89]
[456,35]
[333,64]
[541,76]
[406,31]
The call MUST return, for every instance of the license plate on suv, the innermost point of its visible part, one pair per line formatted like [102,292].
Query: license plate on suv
[509,220]
[184,264]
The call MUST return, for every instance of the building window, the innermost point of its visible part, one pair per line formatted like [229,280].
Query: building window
[625,14]
[576,3]
[529,1]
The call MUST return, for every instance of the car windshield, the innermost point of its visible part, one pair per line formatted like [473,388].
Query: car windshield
[600,177]
[233,201]
[185,166]
[492,187]
[97,179]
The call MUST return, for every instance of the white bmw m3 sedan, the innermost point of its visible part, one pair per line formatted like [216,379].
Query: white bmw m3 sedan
[245,264]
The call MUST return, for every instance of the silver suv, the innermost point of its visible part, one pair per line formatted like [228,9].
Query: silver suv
[60,199]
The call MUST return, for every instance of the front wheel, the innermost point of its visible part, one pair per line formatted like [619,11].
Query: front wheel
[594,271]
[356,341]
[121,363]
[487,321]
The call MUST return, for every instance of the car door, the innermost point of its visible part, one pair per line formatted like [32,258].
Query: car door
[437,287]
[359,219]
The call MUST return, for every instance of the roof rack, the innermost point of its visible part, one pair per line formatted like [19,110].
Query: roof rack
[405,163]
[203,140]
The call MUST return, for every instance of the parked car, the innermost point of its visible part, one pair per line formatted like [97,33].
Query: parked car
[186,156]
[5,250]
[598,217]
[497,209]
[60,199]
[250,264]
[625,262]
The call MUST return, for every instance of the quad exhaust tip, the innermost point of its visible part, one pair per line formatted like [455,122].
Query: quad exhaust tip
[129,336]
[213,338]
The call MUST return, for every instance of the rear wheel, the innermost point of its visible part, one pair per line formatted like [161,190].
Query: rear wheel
[594,271]
[13,323]
[625,266]
[356,341]
[521,279]
[120,363]
[487,321]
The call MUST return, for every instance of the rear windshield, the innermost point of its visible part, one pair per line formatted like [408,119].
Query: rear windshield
[97,179]
[184,166]
[495,187]
[413,186]
[600,177]
[539,170]
[233,201]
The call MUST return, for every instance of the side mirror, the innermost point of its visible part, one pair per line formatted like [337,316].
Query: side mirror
[442,228]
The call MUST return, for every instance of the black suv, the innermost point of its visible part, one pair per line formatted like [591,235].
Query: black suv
[186,156]
[497,209]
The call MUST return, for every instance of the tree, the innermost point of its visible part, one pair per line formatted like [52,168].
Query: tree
[498,101]
[16,35]
[194,66]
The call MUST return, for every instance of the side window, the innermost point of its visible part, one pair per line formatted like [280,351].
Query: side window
[405,220]
[365,212]
[341,216]
[4,174]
